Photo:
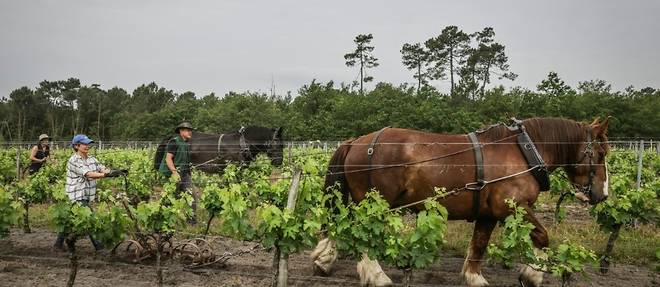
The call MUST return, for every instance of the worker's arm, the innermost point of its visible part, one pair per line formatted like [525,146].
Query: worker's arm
[169,160]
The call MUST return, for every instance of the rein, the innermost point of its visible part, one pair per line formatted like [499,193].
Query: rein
[457,190]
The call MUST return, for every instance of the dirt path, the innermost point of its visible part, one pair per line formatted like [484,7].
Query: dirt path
[29,260]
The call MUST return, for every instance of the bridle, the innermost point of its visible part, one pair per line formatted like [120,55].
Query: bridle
[587,152]
[267,146]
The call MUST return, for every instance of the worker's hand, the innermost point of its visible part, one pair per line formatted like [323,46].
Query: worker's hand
[114,173]
[176,176]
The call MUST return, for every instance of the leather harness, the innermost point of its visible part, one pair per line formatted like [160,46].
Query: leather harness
[534,160]
[479,167]
[370,152]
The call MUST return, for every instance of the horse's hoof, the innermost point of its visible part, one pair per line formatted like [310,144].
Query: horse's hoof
[529,277]
[475,279]
[318,271]
[371,274]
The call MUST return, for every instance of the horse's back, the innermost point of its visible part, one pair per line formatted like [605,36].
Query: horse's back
[401,165]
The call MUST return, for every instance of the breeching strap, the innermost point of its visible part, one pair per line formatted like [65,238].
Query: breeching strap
[370,152]
[479,167]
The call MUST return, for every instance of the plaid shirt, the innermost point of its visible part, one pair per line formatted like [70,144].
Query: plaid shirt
[79,187]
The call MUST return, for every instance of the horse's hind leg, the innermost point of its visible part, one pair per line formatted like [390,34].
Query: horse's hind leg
[531,275]
[483,228]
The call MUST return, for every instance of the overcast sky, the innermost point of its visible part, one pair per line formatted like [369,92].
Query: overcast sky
[220,46]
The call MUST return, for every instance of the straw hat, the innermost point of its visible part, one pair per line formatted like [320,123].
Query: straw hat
[43,137]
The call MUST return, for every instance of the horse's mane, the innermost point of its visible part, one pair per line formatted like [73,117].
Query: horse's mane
[554,135]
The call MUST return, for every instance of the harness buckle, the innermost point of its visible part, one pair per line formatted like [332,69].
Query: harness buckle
[370,151]
[476,186]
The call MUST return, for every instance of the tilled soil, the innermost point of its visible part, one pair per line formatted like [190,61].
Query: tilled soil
[29,260]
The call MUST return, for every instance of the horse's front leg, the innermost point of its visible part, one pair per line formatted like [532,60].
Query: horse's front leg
[325,254]
[532,275]
[483,228]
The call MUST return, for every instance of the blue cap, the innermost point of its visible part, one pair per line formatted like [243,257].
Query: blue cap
[81,139]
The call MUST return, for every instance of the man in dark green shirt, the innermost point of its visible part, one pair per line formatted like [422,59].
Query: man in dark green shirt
[176,162]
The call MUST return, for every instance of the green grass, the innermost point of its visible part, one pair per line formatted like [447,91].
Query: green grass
[635,245]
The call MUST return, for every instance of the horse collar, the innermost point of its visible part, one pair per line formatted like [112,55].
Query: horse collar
[220,143]
[534,158]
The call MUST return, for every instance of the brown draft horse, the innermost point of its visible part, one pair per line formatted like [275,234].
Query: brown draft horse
[406,165]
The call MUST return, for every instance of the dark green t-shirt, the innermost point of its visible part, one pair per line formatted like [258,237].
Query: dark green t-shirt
[181,151]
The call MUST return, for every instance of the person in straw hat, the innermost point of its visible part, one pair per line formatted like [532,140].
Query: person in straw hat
[176,162]
[40,153]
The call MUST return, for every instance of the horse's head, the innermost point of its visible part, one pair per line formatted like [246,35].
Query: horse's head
[588,172]
[265,140]
[275,148]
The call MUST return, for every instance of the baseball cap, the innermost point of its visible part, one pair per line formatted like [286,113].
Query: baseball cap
[81,139]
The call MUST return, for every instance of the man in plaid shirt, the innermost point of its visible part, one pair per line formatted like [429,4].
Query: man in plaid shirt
[82,171]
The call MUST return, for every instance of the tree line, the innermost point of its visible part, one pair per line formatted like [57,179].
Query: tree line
[326,111]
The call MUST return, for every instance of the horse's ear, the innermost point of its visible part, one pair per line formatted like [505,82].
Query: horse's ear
[278,132]
[601,127]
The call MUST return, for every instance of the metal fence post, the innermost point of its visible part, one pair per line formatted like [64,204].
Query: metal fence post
[290,148]
[18,164]
[639,164]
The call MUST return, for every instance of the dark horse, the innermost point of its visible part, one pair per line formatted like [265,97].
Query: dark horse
[212,152]
[405,166]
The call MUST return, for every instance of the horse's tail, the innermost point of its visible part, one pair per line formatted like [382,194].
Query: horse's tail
[160,152]
[336,172]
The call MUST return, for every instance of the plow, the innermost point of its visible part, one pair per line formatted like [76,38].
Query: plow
[192,253]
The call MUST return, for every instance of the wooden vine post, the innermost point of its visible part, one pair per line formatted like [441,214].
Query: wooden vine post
[281,259]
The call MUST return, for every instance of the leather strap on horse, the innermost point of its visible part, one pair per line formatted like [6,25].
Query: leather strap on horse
[219,144]
[533,157]
[370,152]
[479,167]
